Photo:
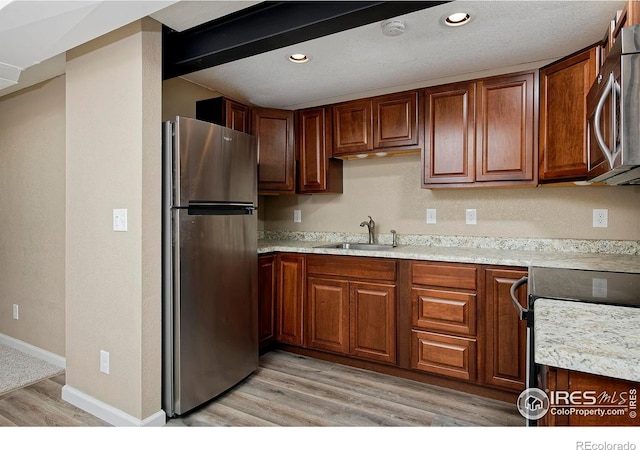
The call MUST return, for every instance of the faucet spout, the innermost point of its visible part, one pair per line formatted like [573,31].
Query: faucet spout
[370,225]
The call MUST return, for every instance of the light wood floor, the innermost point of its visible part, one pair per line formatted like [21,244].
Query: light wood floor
[291,390]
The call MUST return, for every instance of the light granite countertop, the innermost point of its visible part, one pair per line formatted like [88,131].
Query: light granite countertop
[494,256]
[586,337]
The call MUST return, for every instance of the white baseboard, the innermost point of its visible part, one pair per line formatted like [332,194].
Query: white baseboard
[107,412]
[32,350]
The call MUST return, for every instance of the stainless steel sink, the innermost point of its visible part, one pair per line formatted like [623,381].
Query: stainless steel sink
[357,246]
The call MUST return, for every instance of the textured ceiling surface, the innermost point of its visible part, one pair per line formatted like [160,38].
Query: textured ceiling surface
[501,35]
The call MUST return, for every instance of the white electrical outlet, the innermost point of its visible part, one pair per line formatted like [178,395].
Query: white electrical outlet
[431,216]
[15,311]
[104,362]
[297,215]
[471,217]
[600,218]
[599,287]
[119,220]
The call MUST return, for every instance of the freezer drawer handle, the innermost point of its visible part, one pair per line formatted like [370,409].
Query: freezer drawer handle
[522,312]
[220,209]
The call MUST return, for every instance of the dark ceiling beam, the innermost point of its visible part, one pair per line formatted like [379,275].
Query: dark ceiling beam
[268,26]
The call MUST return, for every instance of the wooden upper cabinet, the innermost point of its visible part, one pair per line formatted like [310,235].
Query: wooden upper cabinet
[378,124]
[449,147]
[274,130]
[564,86]
[226,112]
[481,133]
[395,120]
[353,127]
[317,171]
[505,129]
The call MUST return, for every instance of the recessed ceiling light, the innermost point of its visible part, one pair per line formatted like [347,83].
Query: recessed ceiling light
[298,58]
[457,19]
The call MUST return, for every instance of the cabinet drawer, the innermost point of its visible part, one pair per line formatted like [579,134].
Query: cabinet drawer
[444,355]
[444,275]
[444,310]
[352,267]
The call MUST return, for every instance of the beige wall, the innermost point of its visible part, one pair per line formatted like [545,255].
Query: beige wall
[113,279]
[179,98]
[32,201]
[388,189]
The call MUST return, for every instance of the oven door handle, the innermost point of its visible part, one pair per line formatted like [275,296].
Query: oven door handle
[523,313]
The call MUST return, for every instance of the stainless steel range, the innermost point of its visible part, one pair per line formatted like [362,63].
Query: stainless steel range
[587,286]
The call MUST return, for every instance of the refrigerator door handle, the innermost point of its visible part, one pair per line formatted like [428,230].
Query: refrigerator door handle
[220,208]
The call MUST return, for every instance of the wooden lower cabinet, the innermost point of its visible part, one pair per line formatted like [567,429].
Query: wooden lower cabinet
[346,312]
[442,354]
[266,300]
[372,309]
[290,298]
[451,320]
[505,338]
[327,321]
[443,319]
[619,397]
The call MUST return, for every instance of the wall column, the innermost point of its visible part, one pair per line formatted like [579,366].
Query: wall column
[113,279]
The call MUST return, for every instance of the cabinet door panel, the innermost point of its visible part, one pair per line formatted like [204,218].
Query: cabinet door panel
[266,300]
[238,116]
[449,146]
[274,130]
[444,310]
[444,355]
[290,299]
[353,127]
[312,131]
[396,120]
[505,129]
[460,276]
[373,321]
[505,353]
[563,107]
[327,321]
[317,171]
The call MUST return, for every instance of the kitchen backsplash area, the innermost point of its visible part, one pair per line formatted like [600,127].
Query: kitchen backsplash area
[388,190]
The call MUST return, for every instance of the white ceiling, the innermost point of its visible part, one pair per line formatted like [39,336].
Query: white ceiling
[355,63]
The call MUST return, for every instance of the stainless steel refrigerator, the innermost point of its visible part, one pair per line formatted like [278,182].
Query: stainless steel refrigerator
[210,324]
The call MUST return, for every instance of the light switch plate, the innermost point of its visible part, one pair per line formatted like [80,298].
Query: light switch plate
[119,220]
[431,216]
[104,362]
[297,215]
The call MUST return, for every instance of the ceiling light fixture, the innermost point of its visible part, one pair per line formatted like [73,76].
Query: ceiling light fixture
[393,27]
[298,58]
[457,19]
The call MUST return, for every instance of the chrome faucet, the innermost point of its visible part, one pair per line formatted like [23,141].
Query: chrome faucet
[371,225]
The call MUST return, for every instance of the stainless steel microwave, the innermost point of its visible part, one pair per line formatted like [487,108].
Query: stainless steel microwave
[613,114]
